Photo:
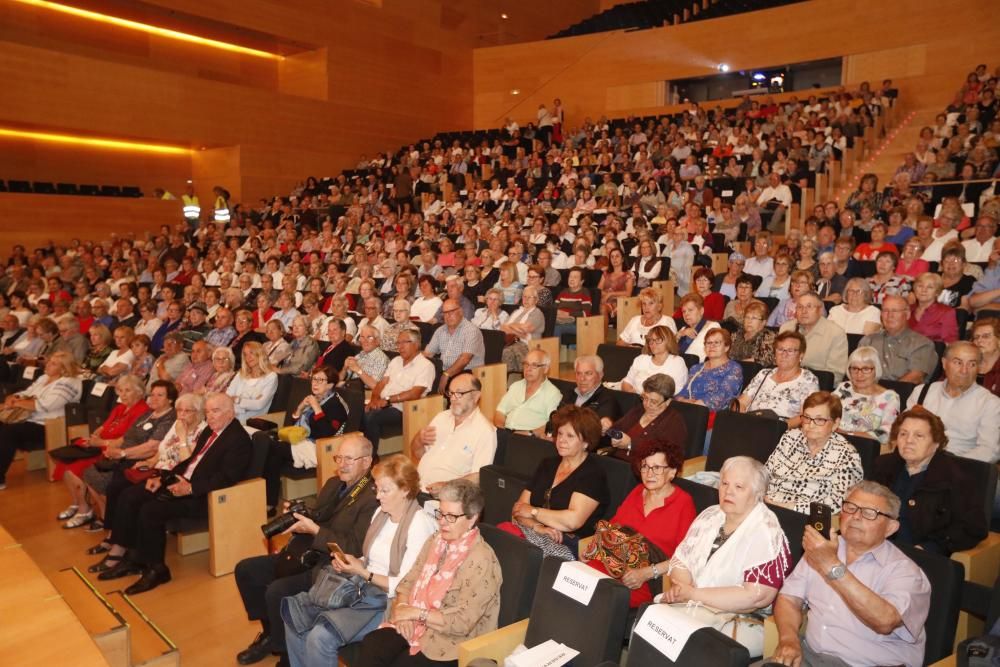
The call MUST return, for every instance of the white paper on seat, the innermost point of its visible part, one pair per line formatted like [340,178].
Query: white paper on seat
[666,629]
[577,581]
[29,372]
[727,193]
[99,389]
[547,654]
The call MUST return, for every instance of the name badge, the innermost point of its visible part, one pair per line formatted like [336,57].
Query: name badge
[727,193]
[29,372]
[667,629]
[99,389]
[578,581]
[148,426]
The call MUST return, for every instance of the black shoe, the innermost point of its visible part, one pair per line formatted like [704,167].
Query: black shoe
[101,548]
[123,569]
[258,649]
[282,661]
[150,579]
[105,564]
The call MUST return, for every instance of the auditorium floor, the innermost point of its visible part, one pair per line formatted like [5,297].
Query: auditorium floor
[200,613]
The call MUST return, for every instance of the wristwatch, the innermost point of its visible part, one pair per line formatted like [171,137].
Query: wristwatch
[837,572]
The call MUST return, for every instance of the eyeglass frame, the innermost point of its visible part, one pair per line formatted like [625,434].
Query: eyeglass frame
[654,470]
[341,459]
[450,518]
[857,508]
[816,421]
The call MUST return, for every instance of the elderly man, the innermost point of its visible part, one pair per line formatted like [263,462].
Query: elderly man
[454,288]
[172,362]
[867,601]
[457,442]
[223,331]
[775,198]
[529,402]
[906,355]
[826,342]
[343,510]
[970,412]
[589,391]
[373,315]
[70,339]
[980,247]
[220,459]
[125,315]
[459,342]
[198,371]
[196,326]
[408,376]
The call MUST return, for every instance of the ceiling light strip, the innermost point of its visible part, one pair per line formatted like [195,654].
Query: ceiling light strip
[149,29]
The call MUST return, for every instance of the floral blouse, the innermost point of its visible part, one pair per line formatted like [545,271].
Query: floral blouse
[715,387]
[871,415]
[798,478]
[760,348]
[785,398]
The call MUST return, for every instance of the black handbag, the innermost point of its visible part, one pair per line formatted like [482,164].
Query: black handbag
[71,453]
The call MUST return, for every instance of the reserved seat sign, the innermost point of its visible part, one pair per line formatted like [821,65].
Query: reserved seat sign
[667,629]
[577,581]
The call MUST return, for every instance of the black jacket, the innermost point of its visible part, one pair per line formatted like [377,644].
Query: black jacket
[601,401]
[224,464]
[945,509]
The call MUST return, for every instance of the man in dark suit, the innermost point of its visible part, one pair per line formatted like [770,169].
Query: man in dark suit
[343,510]
[220,459]
[589,391]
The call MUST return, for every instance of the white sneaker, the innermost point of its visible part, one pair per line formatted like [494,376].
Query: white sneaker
[80,520]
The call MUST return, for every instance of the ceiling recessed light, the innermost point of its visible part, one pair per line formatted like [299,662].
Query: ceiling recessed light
[515,91]
[504,17]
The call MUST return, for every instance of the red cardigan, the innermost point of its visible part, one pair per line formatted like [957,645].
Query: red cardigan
[938,323]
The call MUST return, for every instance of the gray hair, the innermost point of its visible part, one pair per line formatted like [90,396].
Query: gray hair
[760,477]
[660,383]
[866,289]
[227,352]
[590,359]
[373,330]
[892,501]
[465,492]
[414,334]
[494,291]
[826,256]
[954,346]
[542,355]
[133,382]
[193,401]
[869,355]
[366,445]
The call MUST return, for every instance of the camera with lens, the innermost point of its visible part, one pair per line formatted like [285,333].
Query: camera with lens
[283,522]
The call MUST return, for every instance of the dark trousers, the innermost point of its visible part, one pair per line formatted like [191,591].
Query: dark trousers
[387,648]
[279,455]
[141,522]
[262,592]
[26,436]
[116,486]
[374,424]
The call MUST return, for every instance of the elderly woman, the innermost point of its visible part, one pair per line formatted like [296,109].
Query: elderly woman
[568,492]
[719,379]
[30,344]
[753,341]
[142,359]
[814,463]
[659,355]
[536,277]
[253,387]
[733,559]
[491,316]
[321,414]
[655,509]
[655,419]
[44,399]
[303,350]
[426,306]
[400,322]
[99,351]
[176,445]
[801,282]
[869,408]
[744,297]
[691,338]
[314,633]
[886,281]
[223,365]
[276,348]
[857,315]
[139,442]
[986,336]
[525,324]
[651,303]
[807,258]
[782,389]
[368,365]
[508,284]
[120,358]
[941,509]
[776,285]
[910,264]
[339,307]
[450,595]
[955,282]
[111,434]
[928,317]
[705,282]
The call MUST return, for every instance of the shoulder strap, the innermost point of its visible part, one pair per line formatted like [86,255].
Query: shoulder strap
[923,393]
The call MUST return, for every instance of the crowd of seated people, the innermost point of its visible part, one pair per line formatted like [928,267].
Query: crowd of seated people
[337,283]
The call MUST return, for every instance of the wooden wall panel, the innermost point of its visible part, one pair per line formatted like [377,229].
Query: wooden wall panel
[957,35]
[34,220]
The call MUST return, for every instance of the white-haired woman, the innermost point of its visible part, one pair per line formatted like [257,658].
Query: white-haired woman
[525,324]
[857,315]
[869,408]
[223,365]
[491,316]
[400,322]
[733,559]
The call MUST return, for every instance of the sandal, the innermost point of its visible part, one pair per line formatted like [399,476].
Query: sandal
[106,564]
[96,525]
[80,520]
[68,513]
[101,548]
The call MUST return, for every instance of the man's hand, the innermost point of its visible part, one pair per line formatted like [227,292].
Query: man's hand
[153,484]
[180,488]
[376,404]
[427,435]
[788,652]
[820,552]
[303,525]
[443,383]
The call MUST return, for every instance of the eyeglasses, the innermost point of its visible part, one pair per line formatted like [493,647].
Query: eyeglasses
[653,470]
[652,401]
[346,460]
[869,513]
[450,518]
[450,310]
[861,369]
[459,394]
[816,421]
[983,336]
[534,365]
[786,350]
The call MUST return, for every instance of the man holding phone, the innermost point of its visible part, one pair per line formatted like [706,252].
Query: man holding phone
[867,601]
[343,510]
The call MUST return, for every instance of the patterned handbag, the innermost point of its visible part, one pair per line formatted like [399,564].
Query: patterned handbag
[619,549]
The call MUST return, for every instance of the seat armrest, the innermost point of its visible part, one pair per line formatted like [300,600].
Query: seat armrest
[982,562]
[693,465]
[770,636]
[495,645]
[55,437]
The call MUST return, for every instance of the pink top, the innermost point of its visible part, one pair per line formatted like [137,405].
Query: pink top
[913,270]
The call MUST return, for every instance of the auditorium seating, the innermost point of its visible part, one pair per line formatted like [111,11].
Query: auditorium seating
[706,646]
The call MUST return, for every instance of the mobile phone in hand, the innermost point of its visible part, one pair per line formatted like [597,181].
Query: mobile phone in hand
[336,550]
[820,518]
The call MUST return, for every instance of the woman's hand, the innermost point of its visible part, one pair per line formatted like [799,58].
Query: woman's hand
[687,332]
[552,533]
[623,442]
[521,510]
[347,564]
[678,592]
[637,577]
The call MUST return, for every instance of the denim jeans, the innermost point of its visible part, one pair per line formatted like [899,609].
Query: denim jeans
[319,646]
